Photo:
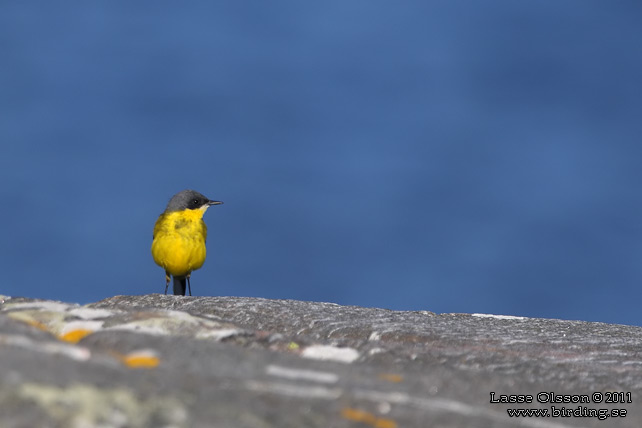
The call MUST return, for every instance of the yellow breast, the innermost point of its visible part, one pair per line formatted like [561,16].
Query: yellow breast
[179,241]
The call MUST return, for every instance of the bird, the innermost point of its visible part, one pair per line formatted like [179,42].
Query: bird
[178,244]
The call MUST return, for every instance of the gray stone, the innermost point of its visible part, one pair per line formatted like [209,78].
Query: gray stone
[173,361]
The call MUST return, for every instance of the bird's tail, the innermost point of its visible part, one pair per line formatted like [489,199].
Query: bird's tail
[179,285]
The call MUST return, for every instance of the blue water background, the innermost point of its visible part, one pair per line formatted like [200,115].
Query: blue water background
[451,156]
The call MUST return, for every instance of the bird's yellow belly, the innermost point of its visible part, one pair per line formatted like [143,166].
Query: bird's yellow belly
[179,244]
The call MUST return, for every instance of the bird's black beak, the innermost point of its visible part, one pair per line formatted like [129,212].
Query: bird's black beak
[214,203]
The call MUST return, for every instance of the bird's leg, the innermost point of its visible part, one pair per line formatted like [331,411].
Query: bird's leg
[189,287]
[166,281]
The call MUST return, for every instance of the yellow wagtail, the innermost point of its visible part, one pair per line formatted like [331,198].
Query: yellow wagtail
[179,238]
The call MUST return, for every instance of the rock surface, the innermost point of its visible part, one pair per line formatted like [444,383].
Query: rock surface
[169,361]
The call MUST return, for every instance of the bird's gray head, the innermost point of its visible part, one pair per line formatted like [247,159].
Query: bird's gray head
[189,200]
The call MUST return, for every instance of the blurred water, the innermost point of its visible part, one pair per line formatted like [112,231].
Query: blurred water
[449,156]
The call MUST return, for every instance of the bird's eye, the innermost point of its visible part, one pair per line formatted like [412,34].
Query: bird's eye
[194,202]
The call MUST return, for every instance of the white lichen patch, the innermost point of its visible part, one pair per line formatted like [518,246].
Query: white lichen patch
[291,390]
[332,353]
[152,328]
[44,305]
[80,325]
[90,313]
[301,374]
[77,353]
[71,323]
[374,336]
[499,317]
[93,407]
[219,334]
[51,321]
[173,323]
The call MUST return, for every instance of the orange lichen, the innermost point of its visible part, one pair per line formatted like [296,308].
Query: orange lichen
[391,377]
[74,336]
[141,361]
[138,359]
[37,324]
[357,415]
